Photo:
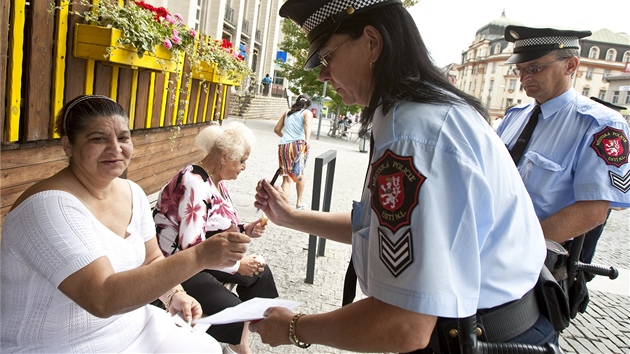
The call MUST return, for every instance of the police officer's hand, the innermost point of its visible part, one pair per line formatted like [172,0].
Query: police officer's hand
[273,202]
[273,328]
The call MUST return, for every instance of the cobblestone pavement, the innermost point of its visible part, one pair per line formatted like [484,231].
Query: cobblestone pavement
[604,328]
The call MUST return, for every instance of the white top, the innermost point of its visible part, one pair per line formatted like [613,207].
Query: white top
[445,225]
[50,236]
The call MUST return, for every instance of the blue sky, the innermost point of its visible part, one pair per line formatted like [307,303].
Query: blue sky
[448,27]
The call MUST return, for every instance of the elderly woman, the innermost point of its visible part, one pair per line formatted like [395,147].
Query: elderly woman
[444,228]
[195,205]
[80,261]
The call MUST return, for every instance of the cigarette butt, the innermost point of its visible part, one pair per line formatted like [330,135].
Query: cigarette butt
[263,219]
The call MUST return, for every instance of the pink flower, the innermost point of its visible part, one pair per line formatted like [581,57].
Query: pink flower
[175,32]
[167,44]
[176,39]
[170,19]
[193,33]
[179,17]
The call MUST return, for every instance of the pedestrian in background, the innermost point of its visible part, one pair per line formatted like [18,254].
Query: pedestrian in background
[266,82]
[444,227]
[294,129]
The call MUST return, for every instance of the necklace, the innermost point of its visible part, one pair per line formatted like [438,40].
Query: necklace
[208,172]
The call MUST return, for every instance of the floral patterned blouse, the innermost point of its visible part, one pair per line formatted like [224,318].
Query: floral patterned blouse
[190,209]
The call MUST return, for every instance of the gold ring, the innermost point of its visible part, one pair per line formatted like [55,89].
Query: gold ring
[256,273]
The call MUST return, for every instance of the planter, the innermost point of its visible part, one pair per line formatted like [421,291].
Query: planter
[101,44]
[208,72]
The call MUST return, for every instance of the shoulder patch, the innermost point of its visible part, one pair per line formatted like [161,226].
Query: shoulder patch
[395,183]
[611,145]
[396,256]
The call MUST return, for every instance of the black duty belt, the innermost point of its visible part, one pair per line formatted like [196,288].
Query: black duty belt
[510,320]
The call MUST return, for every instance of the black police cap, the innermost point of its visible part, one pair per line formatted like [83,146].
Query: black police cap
[608,104]
[319,19]
[532,43]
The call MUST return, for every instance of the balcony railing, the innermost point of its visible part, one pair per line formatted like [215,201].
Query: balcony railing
[245,26]
[229,14]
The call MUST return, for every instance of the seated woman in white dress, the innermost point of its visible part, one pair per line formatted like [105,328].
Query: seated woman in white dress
[79,259]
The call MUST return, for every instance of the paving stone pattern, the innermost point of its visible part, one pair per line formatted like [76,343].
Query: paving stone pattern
[604,328]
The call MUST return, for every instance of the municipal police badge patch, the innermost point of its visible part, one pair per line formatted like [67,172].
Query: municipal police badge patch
[612,146]
[395,183]
[396,256]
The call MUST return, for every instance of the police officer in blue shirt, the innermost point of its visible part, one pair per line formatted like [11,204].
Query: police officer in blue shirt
[575,164]
[444,227]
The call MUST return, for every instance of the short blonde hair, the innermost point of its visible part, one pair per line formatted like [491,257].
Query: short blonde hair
[233,138]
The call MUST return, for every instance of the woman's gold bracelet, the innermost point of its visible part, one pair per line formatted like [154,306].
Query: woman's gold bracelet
[293,336]
[169,297]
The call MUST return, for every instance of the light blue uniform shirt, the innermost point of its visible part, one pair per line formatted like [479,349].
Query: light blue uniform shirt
[293,128]
[445,225]
[578,151]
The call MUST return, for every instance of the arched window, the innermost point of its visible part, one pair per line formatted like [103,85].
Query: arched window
[611,54]
[626,57]
[497,48]
[593,53]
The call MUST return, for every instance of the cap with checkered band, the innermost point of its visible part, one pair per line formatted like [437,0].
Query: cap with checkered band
[532,43]
[319,19]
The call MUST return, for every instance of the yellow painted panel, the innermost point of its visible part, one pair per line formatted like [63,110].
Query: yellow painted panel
[134,98]
[113,82]
[196,108]
[164,99]
[147,123]
[89,77]
[204,116]
[59,61]
[14,82]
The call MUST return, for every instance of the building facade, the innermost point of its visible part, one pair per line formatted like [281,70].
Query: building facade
[252,26]
[604,71]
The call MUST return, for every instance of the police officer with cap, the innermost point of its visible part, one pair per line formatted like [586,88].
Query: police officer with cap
[444,228]
[571,152]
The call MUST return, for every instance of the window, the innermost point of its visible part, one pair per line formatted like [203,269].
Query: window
[626,57]
[585,91]
[488,100]
[491,85]
[494,67]
[627,98]
[521,88]
[509,102]
[589,73]
[593,53]
[606,73]
[602,95]
[512,85]
[615,97]
[497,48]
[611,54]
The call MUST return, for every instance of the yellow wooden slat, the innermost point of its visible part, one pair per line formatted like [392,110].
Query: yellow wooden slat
[204,117]
[89,77]
[14,82]
[196,108]
[187,103]
[223,101]
[178,86]
[147,123]
[113,83]
[214,101]
[59,61]
[167,77]
[134,98]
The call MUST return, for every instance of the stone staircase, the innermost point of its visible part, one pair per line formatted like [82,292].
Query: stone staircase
[259,107]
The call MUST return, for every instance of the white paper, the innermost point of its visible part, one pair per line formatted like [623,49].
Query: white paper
[247,311]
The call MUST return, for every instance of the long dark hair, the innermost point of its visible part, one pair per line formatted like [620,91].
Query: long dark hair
[404,71]
[301,102]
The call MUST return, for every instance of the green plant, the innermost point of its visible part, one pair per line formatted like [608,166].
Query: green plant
[144,26]
[229,62]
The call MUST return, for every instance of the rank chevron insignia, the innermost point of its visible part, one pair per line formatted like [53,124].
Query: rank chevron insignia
[619,182]
[396,256]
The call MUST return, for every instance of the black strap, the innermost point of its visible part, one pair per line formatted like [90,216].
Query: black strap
[519,147]
[350,280]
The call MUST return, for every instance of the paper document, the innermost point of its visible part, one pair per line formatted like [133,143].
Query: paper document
[247,311]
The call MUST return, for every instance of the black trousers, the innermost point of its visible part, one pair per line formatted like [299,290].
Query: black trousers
[207,288]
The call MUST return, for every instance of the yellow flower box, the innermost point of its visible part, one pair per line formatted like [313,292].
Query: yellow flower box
[208,72]
[93,42]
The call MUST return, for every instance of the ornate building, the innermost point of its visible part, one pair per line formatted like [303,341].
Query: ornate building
[604,70]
